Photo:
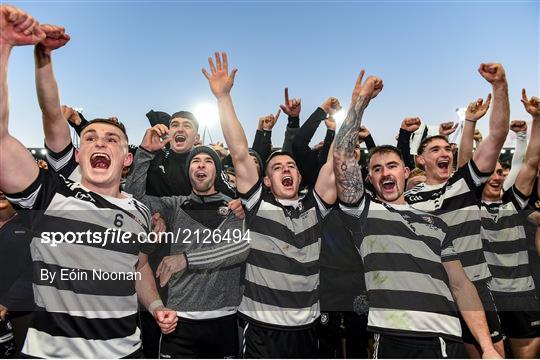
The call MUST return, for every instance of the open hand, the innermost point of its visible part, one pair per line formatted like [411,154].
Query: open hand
[221,82]
[477,109]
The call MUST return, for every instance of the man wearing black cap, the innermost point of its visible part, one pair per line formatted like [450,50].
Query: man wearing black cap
[205,300]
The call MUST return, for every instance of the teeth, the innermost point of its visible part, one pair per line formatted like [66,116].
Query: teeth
[179,138]
[287,178]
[388,182]
[99,154]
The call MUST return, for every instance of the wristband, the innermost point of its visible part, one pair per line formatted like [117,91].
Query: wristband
[155,304]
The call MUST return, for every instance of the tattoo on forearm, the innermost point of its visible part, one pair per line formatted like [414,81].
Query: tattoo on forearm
[348,172]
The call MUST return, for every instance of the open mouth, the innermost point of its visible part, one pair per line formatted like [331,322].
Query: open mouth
[443,164]
[179,138]
[100,161]
[200,175]
[388,185]
[287,181]
[495,185]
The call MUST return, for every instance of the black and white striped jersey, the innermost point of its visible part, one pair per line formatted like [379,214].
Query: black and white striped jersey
[506,244]
[457,203]
[84,252]
[402,251]
[282,268]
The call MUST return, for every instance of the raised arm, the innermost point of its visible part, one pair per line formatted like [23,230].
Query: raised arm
[18,168]
[262,143]
[487,153]
[292,108]
[350,186]
[520,128]
[221,83]
[527,173]
[475,111]
[408,127]
[136,181]
[55,126]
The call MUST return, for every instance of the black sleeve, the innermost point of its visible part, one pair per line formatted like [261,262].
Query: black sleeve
[39,194]
[370,143]
[323,154]
[309,165]
[62,162]
[262,144]
[404,145]
[78,128]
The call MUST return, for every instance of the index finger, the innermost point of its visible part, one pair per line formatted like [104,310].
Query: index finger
[360,77]
[286,96]
[278,113]
[524,95]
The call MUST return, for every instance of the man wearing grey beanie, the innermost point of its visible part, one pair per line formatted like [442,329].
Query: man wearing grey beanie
[205,300]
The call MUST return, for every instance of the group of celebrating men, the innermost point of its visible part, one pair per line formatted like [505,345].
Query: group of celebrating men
[445,263]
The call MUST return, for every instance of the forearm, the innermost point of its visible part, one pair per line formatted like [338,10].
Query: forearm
[527,174]
[262,144]
[473,313]
[136,183]
[517,159]
[466,143]
[17,167]
[55,127]
[5,51]
[404,145]
[145,286]
[328,139]
[370,143]
[308,129]
[290,134]
[348,174]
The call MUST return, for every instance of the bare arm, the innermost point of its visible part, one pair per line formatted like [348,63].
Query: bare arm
[349,182]
[326,181]
[150,299]
[475,111]
[470,306]
[221,83]
[487,153]
[17,167]
[55,126]
[525,178]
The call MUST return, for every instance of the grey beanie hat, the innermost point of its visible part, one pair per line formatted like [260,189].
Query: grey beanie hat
[213,154]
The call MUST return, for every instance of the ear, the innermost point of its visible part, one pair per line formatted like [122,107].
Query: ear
[266,181]
[368,179]
[407,172]
[197,138]
[420,160]
[128,159]
[77,155]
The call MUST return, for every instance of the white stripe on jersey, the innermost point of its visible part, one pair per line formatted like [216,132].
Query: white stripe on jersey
[283,316]
[43,345]
[58,164]
[273,245]
[89,306]
[410,320]
[26,202]
[276,280]
[71,256]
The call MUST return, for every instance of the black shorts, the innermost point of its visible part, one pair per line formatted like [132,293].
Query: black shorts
[410,347]
[493,321]
[269,343]
[520,315]
[210,338]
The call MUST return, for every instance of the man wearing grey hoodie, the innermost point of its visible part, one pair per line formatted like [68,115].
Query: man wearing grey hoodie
[205,299]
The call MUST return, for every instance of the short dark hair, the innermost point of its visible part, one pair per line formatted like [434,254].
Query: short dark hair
[383,149]
[185,115]
[109,121]
[429,139]
[278,153]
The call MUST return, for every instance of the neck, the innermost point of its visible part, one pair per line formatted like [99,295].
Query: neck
[210,191]
[108,190]
[399,201]
[430,180]
[491,198]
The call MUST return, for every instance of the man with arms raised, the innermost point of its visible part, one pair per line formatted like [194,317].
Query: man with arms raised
[455,197]
[280,303]
[412,275]
[87,317]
